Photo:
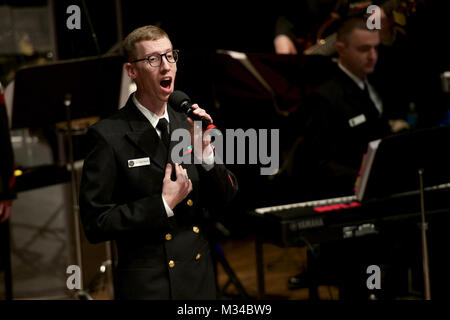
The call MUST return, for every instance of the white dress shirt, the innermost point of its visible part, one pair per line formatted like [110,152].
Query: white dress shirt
[361,83]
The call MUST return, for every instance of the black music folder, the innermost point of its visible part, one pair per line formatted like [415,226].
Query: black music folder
[391,165]
[93,83]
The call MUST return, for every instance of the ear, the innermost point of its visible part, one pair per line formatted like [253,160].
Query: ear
[130,70]
[340,47]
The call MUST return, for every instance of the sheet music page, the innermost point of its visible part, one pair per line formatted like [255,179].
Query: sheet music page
[364,172]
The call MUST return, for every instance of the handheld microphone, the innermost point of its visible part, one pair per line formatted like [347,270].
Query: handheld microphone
[180,102]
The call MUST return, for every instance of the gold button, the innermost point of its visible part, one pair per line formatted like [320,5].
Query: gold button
[171,264]
[18,173]
[197,257]
[190,203]
[168,237]
[196,229]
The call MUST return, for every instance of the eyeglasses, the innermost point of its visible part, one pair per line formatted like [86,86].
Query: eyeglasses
[155,60]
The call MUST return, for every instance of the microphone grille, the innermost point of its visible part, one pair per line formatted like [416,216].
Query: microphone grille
[177,100]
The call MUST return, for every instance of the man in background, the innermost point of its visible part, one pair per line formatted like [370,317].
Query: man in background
[342,116]
[346,112]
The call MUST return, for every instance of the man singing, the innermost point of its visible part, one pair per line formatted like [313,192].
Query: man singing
[133,193]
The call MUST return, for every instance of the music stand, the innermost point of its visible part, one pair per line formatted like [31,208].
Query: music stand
[273,86]
[61,92]
[409,162]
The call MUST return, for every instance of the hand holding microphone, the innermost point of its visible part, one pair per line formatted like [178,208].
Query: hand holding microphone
[180,102]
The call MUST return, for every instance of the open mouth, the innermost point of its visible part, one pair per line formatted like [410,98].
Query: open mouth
[165,83]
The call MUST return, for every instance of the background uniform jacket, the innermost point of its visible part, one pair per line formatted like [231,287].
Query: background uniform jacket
[159,257]
[333,146]
[6,158]
[6,183]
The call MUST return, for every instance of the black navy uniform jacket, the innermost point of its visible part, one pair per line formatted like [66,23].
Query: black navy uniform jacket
[159,257]
[7,179]
[6,158]
[342,120]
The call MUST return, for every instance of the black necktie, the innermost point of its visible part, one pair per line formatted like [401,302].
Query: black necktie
[367,95]
[366,90]
[163,126]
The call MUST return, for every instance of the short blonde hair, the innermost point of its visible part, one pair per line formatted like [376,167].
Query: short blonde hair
[141,34]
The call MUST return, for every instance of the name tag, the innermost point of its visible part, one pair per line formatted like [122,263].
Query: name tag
[356,121]
[138,162]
